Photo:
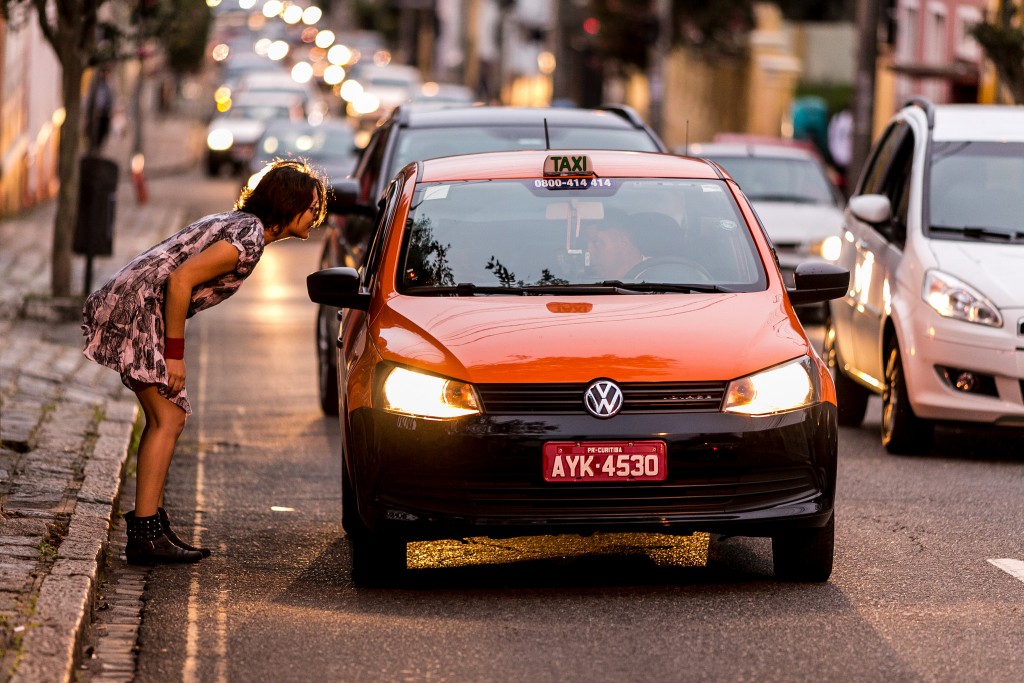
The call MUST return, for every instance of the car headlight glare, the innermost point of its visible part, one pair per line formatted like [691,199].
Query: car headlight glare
[830,248]
[952,298]
[408,392]
[776,390]
[220,139]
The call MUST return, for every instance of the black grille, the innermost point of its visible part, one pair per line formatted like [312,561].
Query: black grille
[638,397]
[721,495]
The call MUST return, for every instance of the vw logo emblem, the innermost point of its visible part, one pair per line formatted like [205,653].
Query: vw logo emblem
[603,398]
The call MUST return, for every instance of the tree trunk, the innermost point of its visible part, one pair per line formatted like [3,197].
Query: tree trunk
[67,168]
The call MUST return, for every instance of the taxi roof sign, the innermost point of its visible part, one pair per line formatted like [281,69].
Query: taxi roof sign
[568,165]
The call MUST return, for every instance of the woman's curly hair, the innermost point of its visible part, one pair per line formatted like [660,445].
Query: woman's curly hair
[282,193]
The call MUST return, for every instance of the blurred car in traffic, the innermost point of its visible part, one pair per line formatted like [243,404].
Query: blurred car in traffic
[281,82]
[414,132]
[444,93]
[801,209]
[934,318]
[231,137]
[373,91]
[329,145]
[578,341]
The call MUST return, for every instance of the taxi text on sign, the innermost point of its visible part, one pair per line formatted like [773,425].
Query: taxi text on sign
[567,164]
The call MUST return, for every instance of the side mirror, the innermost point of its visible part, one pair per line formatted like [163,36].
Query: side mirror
[338,287]
[343,198]
[817,282]
[873,209]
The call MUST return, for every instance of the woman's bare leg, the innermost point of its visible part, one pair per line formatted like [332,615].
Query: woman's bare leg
[164,422]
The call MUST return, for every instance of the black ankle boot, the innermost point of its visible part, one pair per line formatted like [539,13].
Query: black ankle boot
[148,544]
[165,521]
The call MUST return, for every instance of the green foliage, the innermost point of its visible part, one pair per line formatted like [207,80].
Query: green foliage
[714,27]
[626,30]
[187,30]
[837,97]
[1002,38]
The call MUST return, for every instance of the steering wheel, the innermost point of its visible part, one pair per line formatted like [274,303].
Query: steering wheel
[672,265]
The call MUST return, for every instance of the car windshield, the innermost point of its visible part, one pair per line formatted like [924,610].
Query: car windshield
[259,112]
[428,143]
[627,235]
[317,144]
[975,190]
[779,179]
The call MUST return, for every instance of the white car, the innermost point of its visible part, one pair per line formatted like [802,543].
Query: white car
[934,242]
[380,89]
[281,82]
[789,188]
[231,137]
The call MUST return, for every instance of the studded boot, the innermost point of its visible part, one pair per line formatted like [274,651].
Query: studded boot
[148,544]
[165,522]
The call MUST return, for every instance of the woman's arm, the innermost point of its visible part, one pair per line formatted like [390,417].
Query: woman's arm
[216,260]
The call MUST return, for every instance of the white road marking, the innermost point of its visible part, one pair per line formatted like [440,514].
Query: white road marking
[190,667]
[1014,568]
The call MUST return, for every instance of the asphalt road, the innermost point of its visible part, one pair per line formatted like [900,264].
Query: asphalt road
[913,597]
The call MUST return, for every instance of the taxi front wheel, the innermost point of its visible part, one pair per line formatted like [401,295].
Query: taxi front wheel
[804,554]
[378,559]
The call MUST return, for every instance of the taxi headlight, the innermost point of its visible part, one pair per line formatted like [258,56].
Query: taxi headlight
[784,387]
[408,392]
[220,139]
[952,298]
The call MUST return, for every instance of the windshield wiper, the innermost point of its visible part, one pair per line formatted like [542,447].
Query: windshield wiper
[470,289]
[606,287]
[795,199]
[661,287]
[980,233]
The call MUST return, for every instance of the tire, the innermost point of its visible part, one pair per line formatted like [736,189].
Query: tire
[378,559]
[851,397]
[326,362]
[805,554]
[903,432]
[212,167]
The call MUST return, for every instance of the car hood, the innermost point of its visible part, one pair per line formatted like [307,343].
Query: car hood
[663,337]
[793,223]
[993,269]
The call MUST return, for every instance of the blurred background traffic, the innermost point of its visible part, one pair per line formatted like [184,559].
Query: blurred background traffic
[279,78]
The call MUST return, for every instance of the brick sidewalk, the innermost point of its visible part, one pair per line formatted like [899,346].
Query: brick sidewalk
[65,422]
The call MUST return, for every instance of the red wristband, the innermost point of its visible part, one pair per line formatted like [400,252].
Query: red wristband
[174,348]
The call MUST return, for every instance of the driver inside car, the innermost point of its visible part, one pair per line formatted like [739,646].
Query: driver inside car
[611,252]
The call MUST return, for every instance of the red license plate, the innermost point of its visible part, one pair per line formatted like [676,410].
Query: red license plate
[570,461]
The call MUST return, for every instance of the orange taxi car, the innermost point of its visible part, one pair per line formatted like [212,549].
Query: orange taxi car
[546,342]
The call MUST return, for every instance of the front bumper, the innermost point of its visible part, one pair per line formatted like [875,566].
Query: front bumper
[483,476]
[996,354]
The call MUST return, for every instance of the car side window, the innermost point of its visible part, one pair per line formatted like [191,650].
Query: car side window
[878,169]
[898,190]
[385,212]
[370,166]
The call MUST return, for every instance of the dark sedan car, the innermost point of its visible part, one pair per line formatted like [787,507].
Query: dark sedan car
[414,133]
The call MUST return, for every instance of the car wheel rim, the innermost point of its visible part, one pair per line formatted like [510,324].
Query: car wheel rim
[890,394]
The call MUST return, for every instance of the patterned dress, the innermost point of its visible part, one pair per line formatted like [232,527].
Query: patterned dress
[124,319]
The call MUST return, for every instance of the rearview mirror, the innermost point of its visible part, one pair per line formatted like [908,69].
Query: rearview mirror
[874,209]
[817,282]
[338,287]
[343,198]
